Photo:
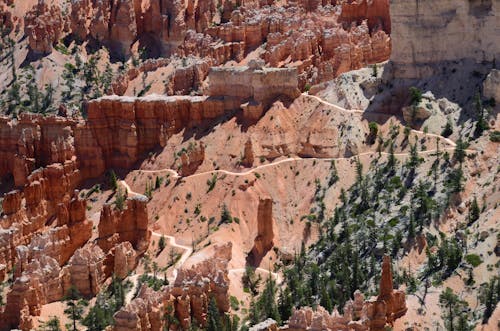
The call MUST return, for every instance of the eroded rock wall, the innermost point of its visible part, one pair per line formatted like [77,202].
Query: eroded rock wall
[253,83]
[426,33]
[127,224]
[186,300]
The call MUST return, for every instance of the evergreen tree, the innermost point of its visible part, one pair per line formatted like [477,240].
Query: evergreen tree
[490,297]
[74,307]
[161,243]
[460,148]
[113,180]
[481,123]
[448,129]
[474,211]
[267,302]
[213,317]
[285,304]
[53,324]
[370,139]
[391,160]
[455,180]
[453,311]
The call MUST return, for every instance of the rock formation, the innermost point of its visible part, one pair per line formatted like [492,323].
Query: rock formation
[40,283]
[124,128]
[44,27]
[265,235]
[248,156]
[427,33]
[129,224]
[191,159]
[267,325]
[359,314]
[320,38]
[253,83]
[491,86]
[86,269]
[125,259]
[186,300]
[394,300]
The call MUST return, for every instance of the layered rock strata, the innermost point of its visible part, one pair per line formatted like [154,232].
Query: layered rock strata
[253,83]
[428,33]
[359,314]
[186,300]
[322,39]
[128,224]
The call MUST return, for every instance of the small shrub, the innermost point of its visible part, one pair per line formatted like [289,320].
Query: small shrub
[448,129]
[161,243]
[415,95]
[235,305]
[120,199]
[473,259]
[495,136]
[211,182]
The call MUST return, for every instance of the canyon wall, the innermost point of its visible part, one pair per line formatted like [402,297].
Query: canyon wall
[426,33]
[253,83]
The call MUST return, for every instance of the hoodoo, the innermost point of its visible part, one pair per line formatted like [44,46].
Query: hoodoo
[249,165]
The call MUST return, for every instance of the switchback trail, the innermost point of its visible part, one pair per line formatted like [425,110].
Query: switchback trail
[189,250]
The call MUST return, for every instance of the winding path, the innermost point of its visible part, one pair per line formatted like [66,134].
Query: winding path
[189,250]
[287,160]
[337,107]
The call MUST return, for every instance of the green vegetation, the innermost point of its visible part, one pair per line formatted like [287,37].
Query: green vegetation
[383,212]
[489,297]
[225,216]
[74,307]
[473,259]
[373,133]
[120,199]
[415,95]
[161,244]
[53,324]
[455,311]
[481,117]
[495,136]
[113,180]
[107,303]
[211,182]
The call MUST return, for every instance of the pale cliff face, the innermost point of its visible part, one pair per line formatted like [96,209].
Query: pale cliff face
[427,32]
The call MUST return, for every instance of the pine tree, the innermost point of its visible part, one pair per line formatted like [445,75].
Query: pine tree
[267,302]
[285,304]
[474,211]
[460,148]
[53,324]
[370,139]
[490,298]
[113,180]
[391,160]
[453,307]
[481,123]
[161,243]
[120,199]
[213,317]
[74,307]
